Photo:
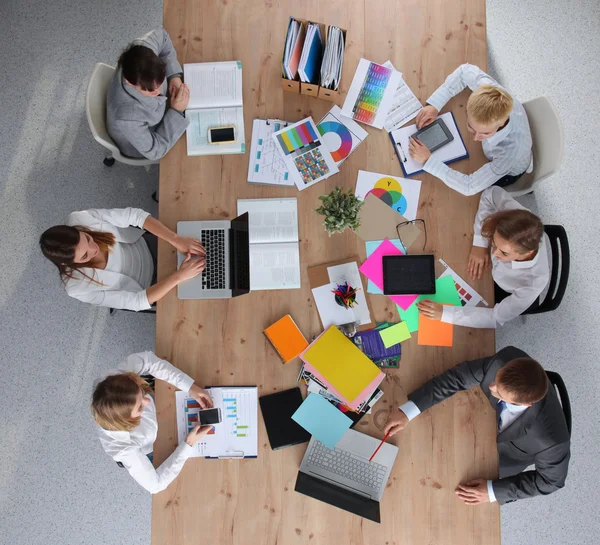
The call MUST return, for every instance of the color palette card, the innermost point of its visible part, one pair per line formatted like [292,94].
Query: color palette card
[371,93]
[304,153]
[341,135]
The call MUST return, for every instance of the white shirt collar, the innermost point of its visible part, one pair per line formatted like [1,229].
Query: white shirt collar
[501,134]
[526,264]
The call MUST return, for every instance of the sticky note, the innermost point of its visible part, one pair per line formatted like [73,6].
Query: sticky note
[395,334]
[322,420]
[434,332]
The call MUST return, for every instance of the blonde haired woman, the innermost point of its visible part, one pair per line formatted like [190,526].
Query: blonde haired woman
[125,415]
[519,262]
[105,258]
[494,118]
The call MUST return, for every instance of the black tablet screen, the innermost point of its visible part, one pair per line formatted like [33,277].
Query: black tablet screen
[433,136]
[408,274]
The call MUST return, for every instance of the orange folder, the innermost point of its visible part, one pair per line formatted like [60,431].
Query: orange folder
[286,338]
[434,332]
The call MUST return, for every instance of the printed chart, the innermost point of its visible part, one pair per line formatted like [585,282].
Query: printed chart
[341,136]
[398,193]
[468,296]
[266,165]
[371,93]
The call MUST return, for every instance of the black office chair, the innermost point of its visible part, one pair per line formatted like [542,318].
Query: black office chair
[151,310]
[561,261]
[557,381]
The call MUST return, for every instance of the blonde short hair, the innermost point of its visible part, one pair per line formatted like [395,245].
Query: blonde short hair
[114,398]
[488,105]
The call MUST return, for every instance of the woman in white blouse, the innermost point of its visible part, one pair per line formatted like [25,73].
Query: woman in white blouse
[519,262]
[104,258]
[125,415]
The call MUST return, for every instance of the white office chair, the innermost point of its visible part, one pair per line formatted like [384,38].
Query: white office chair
[548,145]
[95,109]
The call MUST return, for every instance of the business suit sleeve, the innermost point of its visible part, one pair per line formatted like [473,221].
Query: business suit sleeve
[160,42]
[462,377]
[550,473]
[153,142]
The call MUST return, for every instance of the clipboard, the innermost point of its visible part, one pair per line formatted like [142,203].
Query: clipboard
[318,276]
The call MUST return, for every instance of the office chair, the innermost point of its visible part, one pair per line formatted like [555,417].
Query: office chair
[559,384]
[559,275]
[548,145]
[95,109]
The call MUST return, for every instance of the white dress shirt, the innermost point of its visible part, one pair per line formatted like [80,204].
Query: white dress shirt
[524,280]
[133,260]
[131,448]
[509,150]
[115,288]
[509,415]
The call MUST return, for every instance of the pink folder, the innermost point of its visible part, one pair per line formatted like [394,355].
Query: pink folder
[372,268]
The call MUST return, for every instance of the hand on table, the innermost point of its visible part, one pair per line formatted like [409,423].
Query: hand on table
[197,433]
[418,151]
[201,396]
[190,268]
[474,492]
[189,245]
[180,98]
[431,310]
[396,422]
[479,260]
[426,116]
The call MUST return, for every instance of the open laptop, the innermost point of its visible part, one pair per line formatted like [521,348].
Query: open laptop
[227,272]
[344,477]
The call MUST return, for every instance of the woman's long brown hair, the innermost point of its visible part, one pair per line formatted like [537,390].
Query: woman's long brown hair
[520,227]
[59,242]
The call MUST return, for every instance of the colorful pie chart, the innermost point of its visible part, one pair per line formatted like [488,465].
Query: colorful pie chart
[337,139]
[389,191]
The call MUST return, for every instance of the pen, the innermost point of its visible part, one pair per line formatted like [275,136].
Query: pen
[377,449]
[402,154]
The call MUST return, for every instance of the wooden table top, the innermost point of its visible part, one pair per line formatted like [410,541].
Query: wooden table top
[220,342]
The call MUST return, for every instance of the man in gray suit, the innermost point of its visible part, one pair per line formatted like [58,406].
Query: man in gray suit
[139,117]
[531,424]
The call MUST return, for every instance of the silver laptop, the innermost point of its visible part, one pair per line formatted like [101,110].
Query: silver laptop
[227,272]
[344,477]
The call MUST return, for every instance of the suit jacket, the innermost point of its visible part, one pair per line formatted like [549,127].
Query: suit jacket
[143,126]
[538,436]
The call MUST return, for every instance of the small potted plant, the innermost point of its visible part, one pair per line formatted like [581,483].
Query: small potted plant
[340,210]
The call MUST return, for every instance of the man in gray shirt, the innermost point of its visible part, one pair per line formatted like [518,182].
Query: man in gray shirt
[144,115]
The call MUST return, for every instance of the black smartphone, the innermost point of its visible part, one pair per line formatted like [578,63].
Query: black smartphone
[209,416]
[221,135]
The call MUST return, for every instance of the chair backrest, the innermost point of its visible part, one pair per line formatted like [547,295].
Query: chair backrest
[547,136]
[95,105]
[557,381]
[561,263]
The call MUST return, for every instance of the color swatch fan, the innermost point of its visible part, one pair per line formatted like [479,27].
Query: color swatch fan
[340,134]
[304,153]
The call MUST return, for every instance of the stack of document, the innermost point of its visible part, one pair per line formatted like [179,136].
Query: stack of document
[294,42]
[333,59]
[312,55]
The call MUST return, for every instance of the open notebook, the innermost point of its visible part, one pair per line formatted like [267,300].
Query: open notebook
[215,101]
[274,248]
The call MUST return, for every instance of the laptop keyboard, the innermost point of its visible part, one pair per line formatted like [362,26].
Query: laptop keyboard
[347,465]
[213,276]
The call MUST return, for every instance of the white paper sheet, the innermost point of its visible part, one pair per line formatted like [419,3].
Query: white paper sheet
[335,130]
[348,272]
[203,120]
[214,84]
[271,220]
[266,165]
[274,266]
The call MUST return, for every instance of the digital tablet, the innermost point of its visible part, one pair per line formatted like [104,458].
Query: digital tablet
[408,274]
[277,410]
[435,135]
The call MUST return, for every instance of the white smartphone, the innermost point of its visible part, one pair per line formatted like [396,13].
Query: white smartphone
[221,135]
[209,416]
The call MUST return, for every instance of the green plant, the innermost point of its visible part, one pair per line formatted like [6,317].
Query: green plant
[340,210]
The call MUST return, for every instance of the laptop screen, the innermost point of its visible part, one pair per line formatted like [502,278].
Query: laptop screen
[239,262]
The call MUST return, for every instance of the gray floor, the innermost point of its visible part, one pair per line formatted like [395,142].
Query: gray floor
[56,485]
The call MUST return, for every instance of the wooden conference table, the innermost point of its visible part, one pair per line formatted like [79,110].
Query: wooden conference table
[252,502]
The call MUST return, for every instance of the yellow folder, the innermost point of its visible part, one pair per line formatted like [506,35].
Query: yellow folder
[343,365]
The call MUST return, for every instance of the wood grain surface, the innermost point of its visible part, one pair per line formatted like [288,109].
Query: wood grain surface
[220,342]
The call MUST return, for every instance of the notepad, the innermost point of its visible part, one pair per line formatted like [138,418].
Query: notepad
[341,363]
[286,338]
[215,101]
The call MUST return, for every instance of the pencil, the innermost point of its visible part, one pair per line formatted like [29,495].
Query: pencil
[377,449]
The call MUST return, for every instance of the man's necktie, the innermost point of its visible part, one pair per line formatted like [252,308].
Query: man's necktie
[500,406]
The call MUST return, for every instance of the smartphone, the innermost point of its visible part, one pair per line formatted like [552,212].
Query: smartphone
[221,135]
[209,416]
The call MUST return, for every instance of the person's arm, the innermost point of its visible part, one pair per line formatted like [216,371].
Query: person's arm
[184,244]
[119,299]
[550,473]
[148,363]
[466,75]
[119,217]
[154,143]
[160,42]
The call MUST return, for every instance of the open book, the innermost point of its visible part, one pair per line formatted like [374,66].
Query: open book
[215,101]
[274,248]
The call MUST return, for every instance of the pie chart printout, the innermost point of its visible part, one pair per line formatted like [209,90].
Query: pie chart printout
[337,137]
[389,191]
